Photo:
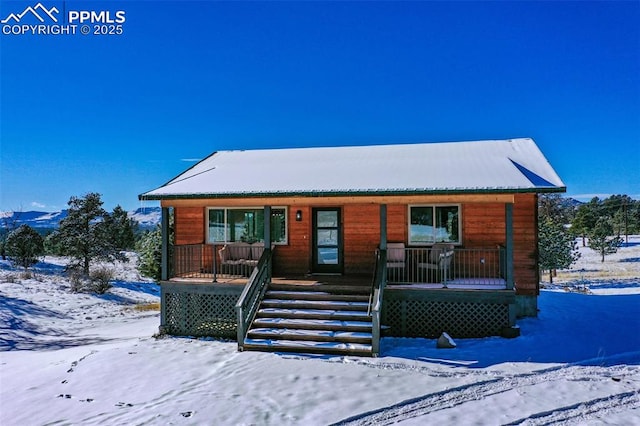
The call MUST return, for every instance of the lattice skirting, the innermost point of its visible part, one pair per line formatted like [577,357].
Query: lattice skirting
[206,311]
[430,318]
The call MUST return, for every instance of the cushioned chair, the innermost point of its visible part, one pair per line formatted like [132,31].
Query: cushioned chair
[396,262]
[437,266]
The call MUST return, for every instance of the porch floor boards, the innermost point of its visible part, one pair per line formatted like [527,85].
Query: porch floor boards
[302,280]
[345,284]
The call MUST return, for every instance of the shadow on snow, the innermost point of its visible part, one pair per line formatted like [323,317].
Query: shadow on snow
[18,333]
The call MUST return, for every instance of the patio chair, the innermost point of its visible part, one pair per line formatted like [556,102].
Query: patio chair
[396,261]
[436,268]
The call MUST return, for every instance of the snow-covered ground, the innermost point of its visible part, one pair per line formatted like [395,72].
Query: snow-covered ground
[69,358]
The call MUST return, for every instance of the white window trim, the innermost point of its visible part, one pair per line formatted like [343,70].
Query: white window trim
[410,206]
[226,209]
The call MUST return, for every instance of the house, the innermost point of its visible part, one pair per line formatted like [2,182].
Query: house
[361,242]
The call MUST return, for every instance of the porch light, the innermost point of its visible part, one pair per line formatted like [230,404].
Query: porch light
[298,215]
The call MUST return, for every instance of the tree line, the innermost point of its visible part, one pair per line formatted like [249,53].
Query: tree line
[600,224]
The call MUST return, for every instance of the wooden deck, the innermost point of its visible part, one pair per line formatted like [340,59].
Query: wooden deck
[303,280]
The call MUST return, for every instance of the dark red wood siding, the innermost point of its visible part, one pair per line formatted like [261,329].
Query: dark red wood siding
[189,225]
[483,226]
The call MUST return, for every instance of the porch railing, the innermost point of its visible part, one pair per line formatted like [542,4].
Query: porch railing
[462,268]
[375,301]
[202,261]
[252,294]
[192,261]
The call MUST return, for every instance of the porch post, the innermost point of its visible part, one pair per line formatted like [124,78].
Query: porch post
[267,233]
[164,265]
[383,226]
[508,213]
[267,227]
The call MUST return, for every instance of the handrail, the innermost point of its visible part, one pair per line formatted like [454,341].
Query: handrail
[376,297]
[249,301]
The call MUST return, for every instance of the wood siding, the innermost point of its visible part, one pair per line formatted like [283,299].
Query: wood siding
[361,237]
[295,257]
[190,225]
[482,226]
[525,256]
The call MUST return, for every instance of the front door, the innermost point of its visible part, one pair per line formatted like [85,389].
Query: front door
[327,241]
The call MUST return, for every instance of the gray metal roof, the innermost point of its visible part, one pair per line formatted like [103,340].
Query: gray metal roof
[491,166]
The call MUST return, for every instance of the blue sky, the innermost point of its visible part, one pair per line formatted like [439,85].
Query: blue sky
[122,114]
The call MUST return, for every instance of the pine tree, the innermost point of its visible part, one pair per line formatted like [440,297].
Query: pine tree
[557,248]
[123,229]
[149,250]
[24,246]
[585,219]
[85,234]
[601,240]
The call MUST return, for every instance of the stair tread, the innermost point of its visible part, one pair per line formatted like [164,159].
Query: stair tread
[327,288]
[316,295]
[316,322]
[312,314]
[307,344]
[335,304]
[306,333]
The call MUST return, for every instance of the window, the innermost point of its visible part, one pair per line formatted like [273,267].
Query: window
[434,224]
[245,224]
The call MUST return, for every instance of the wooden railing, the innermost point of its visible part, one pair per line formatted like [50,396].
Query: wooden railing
[376,297]
[462,267]
[252,295]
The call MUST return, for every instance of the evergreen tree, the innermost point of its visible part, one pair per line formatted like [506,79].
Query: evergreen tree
[149,250]
[85,234]
[554,207]
[557,248]
[585,219]
[52,244]
[7,225]
[24,246]
[123,229]
[601,240]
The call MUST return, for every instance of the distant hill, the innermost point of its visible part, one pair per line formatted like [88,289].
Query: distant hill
[147,217]
[571,203]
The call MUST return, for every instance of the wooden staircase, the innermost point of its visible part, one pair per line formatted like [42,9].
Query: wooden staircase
[318,319]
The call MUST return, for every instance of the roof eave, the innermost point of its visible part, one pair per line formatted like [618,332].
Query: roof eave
[317,194]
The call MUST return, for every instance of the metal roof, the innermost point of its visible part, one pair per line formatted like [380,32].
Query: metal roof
[491,166]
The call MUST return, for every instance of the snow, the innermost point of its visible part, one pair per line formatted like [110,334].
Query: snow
[69,358]
[479,166]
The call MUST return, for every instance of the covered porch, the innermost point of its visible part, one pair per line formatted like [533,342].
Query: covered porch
[410,292]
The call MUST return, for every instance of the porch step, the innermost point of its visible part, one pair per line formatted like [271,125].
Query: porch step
[328,348]
[310,335]
[324,288]
[321,314]
[311,324]
[316,295]
[315,304]
[318,318]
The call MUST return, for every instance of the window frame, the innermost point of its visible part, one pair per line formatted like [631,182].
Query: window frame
[433,207]
[226,223]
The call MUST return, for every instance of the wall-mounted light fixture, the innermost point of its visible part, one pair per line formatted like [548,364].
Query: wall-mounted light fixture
[298,215]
